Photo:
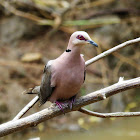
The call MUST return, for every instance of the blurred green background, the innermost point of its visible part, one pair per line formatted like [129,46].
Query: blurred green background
[35,31]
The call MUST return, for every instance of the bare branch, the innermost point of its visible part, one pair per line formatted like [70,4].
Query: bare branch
[26,108]
[114,49]
[54,111]
[108,115]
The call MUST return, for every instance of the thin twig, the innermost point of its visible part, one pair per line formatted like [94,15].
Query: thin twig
[108,115]
[53,111]
[26,108]
[100,56]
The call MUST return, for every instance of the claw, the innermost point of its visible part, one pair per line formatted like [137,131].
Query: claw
[59,104]
[72,100]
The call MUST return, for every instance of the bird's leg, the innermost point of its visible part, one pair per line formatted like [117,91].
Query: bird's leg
[72,100]
[59,104]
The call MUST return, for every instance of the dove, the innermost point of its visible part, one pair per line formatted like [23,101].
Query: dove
[63,77]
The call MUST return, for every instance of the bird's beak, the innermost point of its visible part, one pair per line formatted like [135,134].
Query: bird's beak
[92,43]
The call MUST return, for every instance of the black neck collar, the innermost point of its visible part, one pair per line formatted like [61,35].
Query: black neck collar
[68,50]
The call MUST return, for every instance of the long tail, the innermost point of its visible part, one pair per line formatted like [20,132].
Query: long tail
[35,90]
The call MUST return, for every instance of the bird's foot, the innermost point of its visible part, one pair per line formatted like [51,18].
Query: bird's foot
[72,100]
[59,104]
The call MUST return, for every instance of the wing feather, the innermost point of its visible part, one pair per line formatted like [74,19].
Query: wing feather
[45,88]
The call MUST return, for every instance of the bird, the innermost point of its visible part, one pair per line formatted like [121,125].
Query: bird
[63,77]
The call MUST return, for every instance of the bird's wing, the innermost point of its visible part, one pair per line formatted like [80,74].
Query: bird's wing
[45,88]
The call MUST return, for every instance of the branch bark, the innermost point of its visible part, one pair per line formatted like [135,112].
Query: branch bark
[53,111]
[108,115]
[26,108]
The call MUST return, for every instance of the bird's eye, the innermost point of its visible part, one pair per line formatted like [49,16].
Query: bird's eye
[80,37]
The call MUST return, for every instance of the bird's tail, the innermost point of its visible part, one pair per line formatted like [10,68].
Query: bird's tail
[34,90]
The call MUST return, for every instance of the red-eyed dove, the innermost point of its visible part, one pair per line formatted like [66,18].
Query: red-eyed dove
[63,76]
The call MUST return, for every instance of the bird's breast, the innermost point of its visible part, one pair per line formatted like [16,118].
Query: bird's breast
[69,76]
[68,79]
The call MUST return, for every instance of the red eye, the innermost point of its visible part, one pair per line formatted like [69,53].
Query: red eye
[80,37]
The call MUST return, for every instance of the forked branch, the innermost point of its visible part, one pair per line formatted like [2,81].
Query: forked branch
[53,111]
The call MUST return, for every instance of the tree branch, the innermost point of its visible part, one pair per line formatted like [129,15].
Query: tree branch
[53,111]
[114,49]
[108,115]
[26,108]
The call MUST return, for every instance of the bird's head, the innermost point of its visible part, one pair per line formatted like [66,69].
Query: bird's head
[81,38]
